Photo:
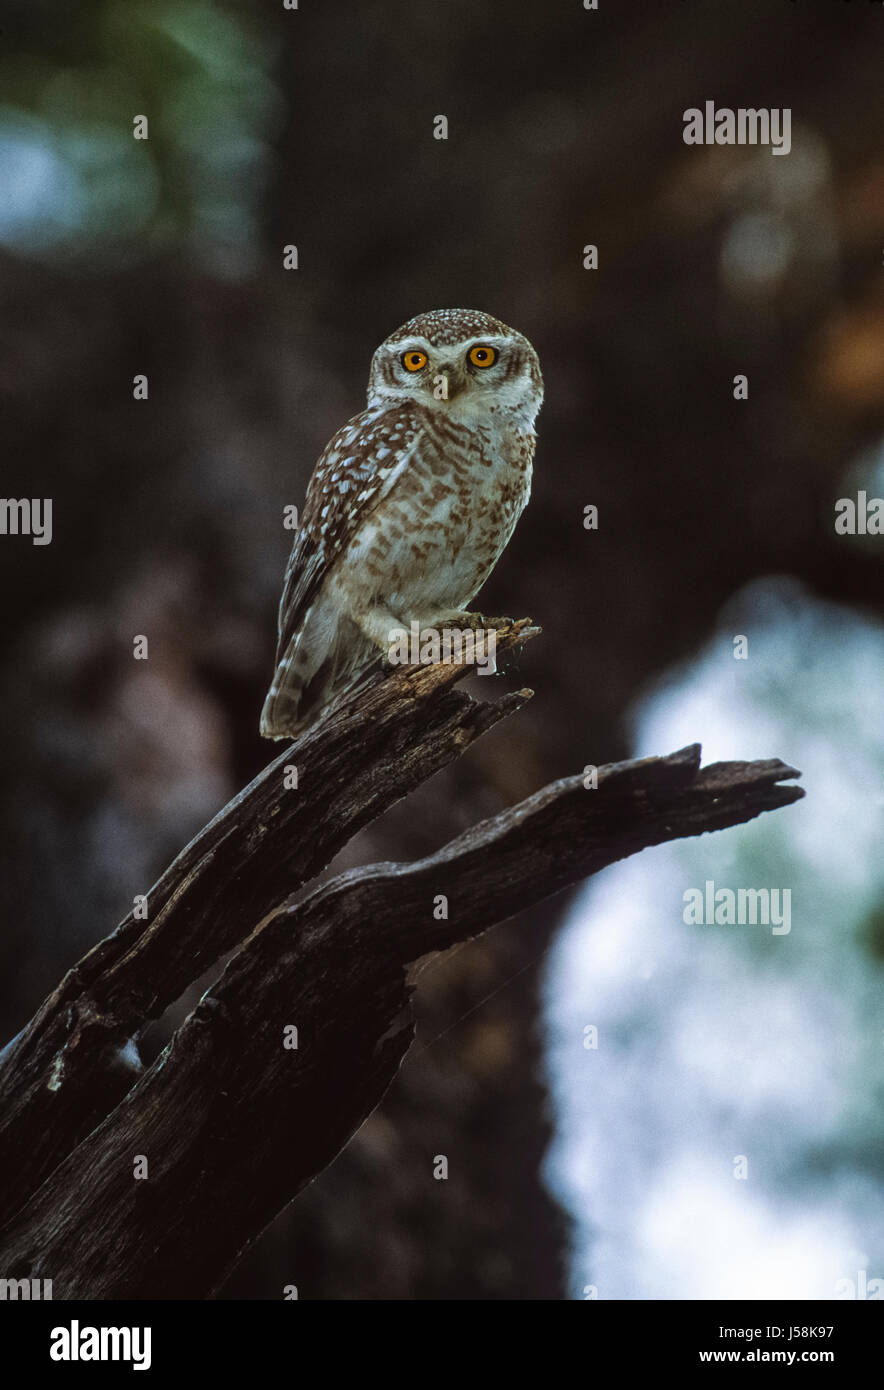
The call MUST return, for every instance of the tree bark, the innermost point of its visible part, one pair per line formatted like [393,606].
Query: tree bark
[232,1121]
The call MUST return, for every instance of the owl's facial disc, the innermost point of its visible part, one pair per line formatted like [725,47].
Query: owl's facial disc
[446,373]
[487,371]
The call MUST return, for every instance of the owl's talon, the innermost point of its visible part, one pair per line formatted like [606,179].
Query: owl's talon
[478,622]
[474,621]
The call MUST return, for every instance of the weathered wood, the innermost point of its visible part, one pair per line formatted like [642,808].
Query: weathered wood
[233,1124]
[68,1068]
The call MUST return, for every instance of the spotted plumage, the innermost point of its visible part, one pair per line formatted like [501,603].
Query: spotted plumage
[409,507]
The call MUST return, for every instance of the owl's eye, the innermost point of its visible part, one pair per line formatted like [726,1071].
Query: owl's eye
[414,360]
[482,356]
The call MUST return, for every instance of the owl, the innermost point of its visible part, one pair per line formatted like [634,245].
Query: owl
[409,507]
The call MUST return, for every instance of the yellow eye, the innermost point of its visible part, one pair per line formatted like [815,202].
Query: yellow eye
[414,360]
[482,356]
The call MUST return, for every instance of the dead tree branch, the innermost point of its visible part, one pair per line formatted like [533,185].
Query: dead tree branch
[232,1122]
[67,1069]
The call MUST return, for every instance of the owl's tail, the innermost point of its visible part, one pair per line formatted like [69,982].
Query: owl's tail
[312,675]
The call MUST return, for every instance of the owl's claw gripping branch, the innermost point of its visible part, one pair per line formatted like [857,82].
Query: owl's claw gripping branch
[333,964]
[479,622]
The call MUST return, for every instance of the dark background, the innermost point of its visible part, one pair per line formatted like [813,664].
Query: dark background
[164,257]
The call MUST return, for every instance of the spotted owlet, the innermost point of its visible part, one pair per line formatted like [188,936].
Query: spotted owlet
[409,507]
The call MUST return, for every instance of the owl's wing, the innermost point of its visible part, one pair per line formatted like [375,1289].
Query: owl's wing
[357,468]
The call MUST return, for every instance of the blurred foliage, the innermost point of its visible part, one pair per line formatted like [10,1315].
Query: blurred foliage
[724,1039]
[80,189]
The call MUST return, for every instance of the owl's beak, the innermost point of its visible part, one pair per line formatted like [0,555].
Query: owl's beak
[455,380]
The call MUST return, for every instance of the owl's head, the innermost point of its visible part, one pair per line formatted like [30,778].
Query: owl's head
[461,361]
